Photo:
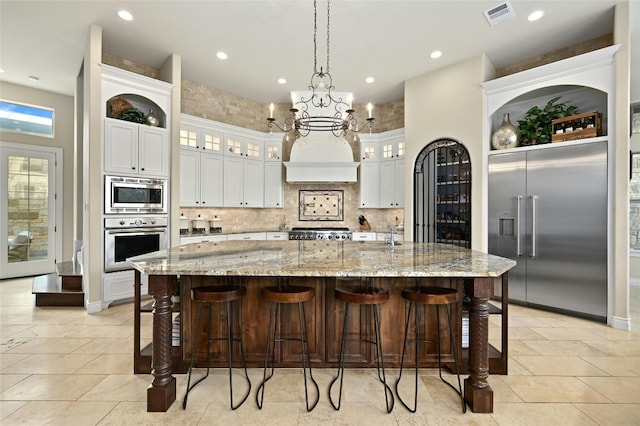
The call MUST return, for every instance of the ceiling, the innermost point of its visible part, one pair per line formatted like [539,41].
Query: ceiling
[390,40]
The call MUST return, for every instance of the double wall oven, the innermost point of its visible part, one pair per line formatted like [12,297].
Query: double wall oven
[136,219]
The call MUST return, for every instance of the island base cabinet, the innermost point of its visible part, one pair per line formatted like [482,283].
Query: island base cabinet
[255,321]
[324,321]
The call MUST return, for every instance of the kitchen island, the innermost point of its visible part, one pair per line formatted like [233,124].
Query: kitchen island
[324,265]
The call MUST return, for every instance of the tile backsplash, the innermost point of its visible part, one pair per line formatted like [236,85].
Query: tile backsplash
[245,219]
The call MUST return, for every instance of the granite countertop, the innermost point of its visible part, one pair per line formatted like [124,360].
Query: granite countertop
[322,259]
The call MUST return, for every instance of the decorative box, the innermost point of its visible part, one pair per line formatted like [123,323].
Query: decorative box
[579,126]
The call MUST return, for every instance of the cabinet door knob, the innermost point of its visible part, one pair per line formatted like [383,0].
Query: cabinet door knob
[133,168]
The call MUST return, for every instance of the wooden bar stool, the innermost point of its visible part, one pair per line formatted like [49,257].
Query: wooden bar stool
[366,296]
[276,296]
[209,295]
[420,297]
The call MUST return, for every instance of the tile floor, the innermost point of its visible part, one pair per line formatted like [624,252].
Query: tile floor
[61,366]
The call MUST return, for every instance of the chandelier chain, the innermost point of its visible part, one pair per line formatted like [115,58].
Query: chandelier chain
[328,26]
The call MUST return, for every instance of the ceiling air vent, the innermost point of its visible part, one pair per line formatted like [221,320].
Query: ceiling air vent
[499,13]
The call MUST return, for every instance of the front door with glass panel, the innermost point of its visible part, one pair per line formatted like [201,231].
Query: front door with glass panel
[27,210]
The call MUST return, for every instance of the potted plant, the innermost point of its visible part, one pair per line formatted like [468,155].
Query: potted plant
[535,127]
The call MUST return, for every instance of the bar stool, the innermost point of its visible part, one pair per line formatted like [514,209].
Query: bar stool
[277,296]
[434,296]
[209,295]
[366,296]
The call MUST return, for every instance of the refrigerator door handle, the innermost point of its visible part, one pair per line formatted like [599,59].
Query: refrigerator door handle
[533,225]
[518,203]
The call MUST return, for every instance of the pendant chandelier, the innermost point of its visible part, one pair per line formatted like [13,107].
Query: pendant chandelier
[320,109]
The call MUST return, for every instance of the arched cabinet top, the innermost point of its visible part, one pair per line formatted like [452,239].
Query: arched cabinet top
[592,70]
[144,93]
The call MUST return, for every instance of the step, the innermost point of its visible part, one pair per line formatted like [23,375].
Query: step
[48,291]
[71,276]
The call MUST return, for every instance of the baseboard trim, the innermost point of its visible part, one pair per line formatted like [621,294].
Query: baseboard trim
[621,323]
[93,307]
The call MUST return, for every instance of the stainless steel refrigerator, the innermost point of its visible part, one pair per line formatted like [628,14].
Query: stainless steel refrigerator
[548,211]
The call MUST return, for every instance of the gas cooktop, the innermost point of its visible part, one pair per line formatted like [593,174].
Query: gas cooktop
[316,233]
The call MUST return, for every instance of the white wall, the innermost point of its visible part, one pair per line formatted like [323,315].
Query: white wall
[448,103]
[63,138]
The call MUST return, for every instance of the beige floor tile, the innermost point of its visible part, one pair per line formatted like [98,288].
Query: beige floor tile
[524,333]
[8,407]
[616,365]
[12,343]
[106,331]
[526,321]
[559,366]
[566,333]
[362,386]
[51,387]
[440,392]
[119,387]
[612,414]
[501,391]
[522,347]
[61,413]
[623,390]
[441,414]
[135,413]
[518,414]
[49,345]
[274,413]
[48,330]
[559,347]
[617,347]
[11,327]
[109,364]
[553,389]
[351,413]
[49,364]
[561,321]
[8,380]
[517,369]
[10,359]
[121,345]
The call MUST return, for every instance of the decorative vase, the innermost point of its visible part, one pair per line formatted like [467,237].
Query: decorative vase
[507,135]
[151,119]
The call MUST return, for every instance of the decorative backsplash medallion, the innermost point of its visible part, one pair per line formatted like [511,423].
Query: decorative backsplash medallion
[321,205]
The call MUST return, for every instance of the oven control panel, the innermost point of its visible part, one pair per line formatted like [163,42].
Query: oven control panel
[135,222]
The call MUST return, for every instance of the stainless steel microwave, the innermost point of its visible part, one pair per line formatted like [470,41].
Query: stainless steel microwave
[134,195]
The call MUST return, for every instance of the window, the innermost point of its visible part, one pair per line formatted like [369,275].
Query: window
[26,119]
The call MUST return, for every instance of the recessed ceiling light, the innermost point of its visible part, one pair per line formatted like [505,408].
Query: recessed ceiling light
[534,16]
[34,78]
[221,55]
[125,14]
[435,54]
[369,80]
[282,80]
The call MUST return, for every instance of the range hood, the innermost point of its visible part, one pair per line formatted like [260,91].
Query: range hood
[321,158]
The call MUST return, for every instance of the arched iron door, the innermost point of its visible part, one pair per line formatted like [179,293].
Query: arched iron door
[442,194]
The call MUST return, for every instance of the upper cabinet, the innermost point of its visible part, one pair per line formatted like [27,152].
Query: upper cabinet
[134,149]
[382,170]
[136,125]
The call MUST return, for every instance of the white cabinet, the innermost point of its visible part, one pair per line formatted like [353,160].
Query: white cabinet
[256,236]
[202,239]
[279,236]
[369,174]
[243,182]
[119,285]
[384,236]
[201,175]
[382,170]
[135,149]
[363,236]
[273,184]
[392,183]
[273,150]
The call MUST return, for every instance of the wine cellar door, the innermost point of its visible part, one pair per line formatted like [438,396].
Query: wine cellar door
[442,197]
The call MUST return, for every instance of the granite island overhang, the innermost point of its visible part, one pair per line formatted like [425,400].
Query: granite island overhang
[322,265]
